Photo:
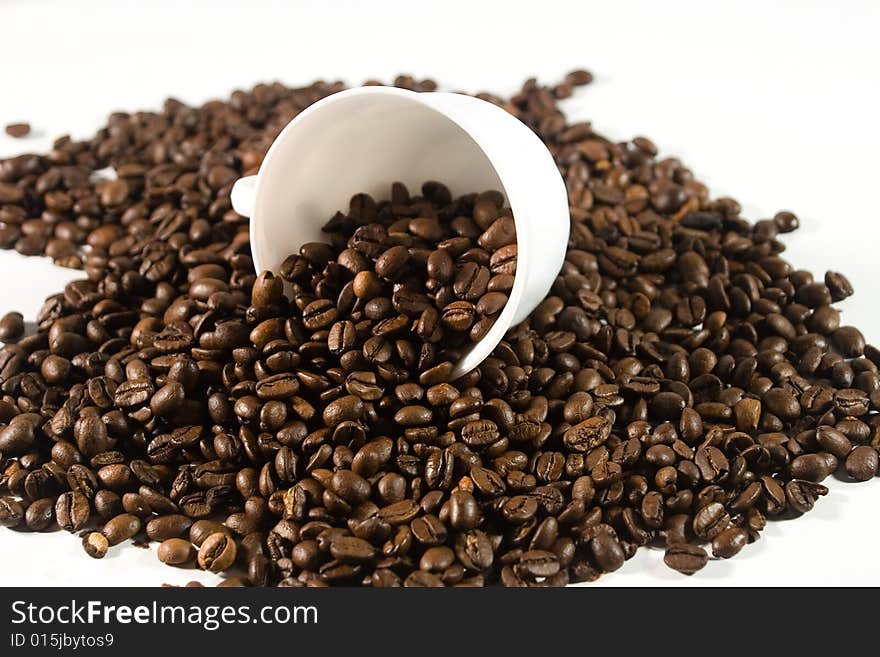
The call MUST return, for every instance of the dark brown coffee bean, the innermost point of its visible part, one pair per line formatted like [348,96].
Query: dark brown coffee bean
[713,465]
[729,542]
[838,285]
[169,526]
[201,529]
[17,437]
[464,512]
[833,441]
[801,495]
[685,558]
[319,314]
[175,551]
[607,552]
[11,327]
[862,463]
[710,521]
[11,512]
[587,435]
[539,563]
[680,381]
[121,528]
[217,553]
[350,549]
[392,262]
[813,467]
[39,516]
[72,511]
[18,130]
[95,545]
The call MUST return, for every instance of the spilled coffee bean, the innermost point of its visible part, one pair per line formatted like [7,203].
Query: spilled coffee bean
[680,384]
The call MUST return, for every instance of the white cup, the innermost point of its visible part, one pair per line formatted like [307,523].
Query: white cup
[363,139]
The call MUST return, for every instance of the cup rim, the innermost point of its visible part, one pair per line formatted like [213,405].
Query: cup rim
[477,352]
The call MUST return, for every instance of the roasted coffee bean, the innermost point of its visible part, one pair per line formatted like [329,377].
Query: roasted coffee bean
[217,552]
[801,495]
[729,542]
[428,530]
[175,551]
[685,558]
[17,437]
[40,514]
[862,463]
[72,511]
[11,327]
[681,381]
[11,512]
[121,528]
[464,512]
[713,464]
[833,441]
[350,549]
[539,563]
[710,521]
[607,551]
[168,526]
[201,529]
[813,467]
[95,545]
[18,130]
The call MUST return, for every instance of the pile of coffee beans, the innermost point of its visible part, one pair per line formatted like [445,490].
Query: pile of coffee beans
[420,277]
[681,384]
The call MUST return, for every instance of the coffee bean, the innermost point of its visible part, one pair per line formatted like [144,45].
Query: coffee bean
[710,521]
[217,553]
[344,409]
[428,530]
[833,441]
[607,552]
[713,464]
[72,511]
[121,528]
[838,285]
[587,435]
[175,551]
[350,486]
[681,381]
[95,545]
[11,327]
[464,512]
[202,528]
[167,399]
[11,512]
[813,467]
[350,549]
[862,463]
[539,563]
[40,514]
[801,495]
[685,558]
[729,542]
[169,526]
[18,130]
[782,403]
[17,437]
[91,435]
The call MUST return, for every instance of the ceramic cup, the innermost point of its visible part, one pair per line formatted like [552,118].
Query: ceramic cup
[363,139]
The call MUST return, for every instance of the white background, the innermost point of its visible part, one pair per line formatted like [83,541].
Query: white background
[775,104]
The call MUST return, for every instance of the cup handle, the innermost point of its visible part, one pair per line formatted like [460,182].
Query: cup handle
[242,195]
